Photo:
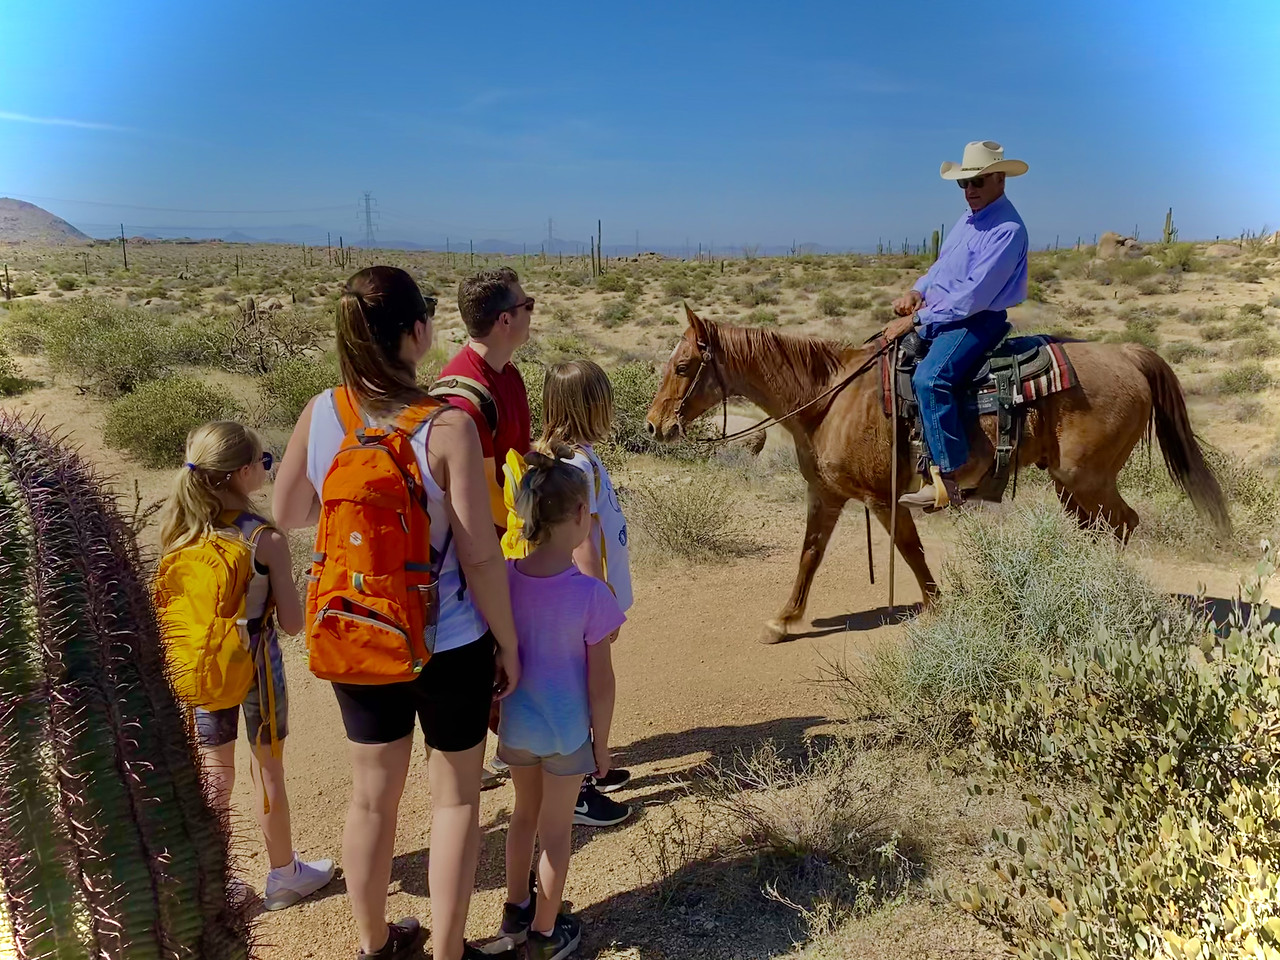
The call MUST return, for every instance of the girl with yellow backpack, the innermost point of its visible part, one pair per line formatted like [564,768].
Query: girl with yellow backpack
[577,410]
[225,579]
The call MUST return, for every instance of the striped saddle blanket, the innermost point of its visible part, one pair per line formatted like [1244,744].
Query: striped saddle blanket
[1020,370]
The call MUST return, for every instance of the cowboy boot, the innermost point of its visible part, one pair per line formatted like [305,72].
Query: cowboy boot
[941,492]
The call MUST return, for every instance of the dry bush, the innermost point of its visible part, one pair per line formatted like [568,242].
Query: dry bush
[692,519]
[829,837]
[1168,518]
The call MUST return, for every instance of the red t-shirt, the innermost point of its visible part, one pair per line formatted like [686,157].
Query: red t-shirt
[509,395]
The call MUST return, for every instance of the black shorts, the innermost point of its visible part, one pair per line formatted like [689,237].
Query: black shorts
[450,698]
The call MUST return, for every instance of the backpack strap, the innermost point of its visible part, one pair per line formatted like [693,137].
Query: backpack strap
[468,389]
[595,476]
[346,409]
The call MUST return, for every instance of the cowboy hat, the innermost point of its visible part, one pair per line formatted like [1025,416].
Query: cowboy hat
[982,157]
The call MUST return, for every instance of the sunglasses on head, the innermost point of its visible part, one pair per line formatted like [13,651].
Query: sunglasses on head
[526,302]
[975,181]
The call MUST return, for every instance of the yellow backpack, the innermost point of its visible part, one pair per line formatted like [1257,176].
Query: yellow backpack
[514,545]
[200,593]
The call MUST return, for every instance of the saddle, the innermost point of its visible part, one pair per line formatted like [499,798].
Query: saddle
[1017,372]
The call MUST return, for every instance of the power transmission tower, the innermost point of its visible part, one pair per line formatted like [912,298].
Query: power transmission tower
[369,205]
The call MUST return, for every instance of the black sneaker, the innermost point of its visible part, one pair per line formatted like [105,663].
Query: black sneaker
[516,919]
[615,779]
[404,939]
[563,940]
[594,809]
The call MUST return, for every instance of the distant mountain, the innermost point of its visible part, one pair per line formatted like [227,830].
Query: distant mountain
[22,222]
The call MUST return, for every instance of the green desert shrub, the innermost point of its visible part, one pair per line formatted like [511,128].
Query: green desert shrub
[152,422]
[614,314]
[25,287]
[830,304]
[12,381]
[611,283]
[1019,589]
[1165,841]
[1248,377]
[1035,291]
[760,317]
[68,282]
[1180,351]
[287,389]
[104,348]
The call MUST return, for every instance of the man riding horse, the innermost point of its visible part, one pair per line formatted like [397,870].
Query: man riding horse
[959,310]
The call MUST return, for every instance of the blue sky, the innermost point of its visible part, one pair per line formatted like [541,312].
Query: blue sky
[718,122]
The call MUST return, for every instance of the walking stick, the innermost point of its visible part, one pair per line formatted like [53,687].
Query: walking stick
[893,464]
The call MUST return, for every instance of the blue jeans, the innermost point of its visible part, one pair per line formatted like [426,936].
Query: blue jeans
[941,381]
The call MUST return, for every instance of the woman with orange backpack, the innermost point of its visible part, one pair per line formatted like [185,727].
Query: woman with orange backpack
[225,579]
[407,597]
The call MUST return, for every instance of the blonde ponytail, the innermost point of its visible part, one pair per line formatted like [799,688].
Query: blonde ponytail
[550,491]
[215,451]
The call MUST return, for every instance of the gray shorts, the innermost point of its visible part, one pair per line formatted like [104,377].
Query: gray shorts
[214,728]
[579,763]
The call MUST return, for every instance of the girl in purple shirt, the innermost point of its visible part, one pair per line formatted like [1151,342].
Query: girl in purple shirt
[555,725]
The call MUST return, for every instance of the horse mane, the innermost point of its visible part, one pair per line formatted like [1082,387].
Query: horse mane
[791,367]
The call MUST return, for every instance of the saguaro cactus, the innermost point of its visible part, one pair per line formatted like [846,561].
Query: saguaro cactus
[1170,231]
[108,847]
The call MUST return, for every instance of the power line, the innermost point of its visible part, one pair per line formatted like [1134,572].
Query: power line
[368,220]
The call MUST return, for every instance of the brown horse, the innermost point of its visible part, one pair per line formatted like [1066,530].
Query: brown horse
[1082,436]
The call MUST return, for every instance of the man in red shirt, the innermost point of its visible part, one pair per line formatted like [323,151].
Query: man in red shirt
[497,313]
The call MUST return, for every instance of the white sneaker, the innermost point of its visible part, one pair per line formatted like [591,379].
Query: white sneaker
[286,887]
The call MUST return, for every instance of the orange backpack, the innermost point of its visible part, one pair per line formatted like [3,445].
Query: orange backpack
[373,592]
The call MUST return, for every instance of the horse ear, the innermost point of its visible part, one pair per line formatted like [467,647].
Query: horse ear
[696,324]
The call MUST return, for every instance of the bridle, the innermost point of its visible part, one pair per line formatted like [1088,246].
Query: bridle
[709,359]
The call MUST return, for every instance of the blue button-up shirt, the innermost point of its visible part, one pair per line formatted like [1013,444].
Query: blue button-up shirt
[982,266]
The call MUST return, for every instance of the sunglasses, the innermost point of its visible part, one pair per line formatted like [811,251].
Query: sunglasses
[975,181]
[527,302]
[268,461]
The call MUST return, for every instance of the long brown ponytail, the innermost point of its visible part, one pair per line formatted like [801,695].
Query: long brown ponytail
[379,305]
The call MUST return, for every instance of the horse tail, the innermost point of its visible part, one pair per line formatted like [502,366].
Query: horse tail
[1182,455]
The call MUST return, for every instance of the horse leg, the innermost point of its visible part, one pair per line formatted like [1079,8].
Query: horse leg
[910,547]
[824,511]
[1098,501]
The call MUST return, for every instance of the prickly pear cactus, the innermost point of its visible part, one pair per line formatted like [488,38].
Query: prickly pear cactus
[108,848]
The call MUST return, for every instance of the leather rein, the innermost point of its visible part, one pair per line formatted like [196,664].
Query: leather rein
[709,360]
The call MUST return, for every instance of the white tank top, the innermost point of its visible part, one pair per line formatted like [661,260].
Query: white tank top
[460,622]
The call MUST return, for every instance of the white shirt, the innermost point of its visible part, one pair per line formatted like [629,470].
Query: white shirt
[460,622]
[612,523]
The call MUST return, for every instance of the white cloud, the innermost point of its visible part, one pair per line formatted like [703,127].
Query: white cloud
[61,122]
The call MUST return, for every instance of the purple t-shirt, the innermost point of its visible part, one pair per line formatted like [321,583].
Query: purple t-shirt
[557,618]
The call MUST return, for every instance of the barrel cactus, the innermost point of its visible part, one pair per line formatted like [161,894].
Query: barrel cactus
[108,847]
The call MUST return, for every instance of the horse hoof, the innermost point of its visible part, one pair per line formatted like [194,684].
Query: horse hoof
[775,631]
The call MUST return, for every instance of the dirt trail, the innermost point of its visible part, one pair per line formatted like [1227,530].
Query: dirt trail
[694,684]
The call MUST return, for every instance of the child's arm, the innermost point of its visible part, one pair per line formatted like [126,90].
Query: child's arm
[587,557]
[601,688]
[273,551]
